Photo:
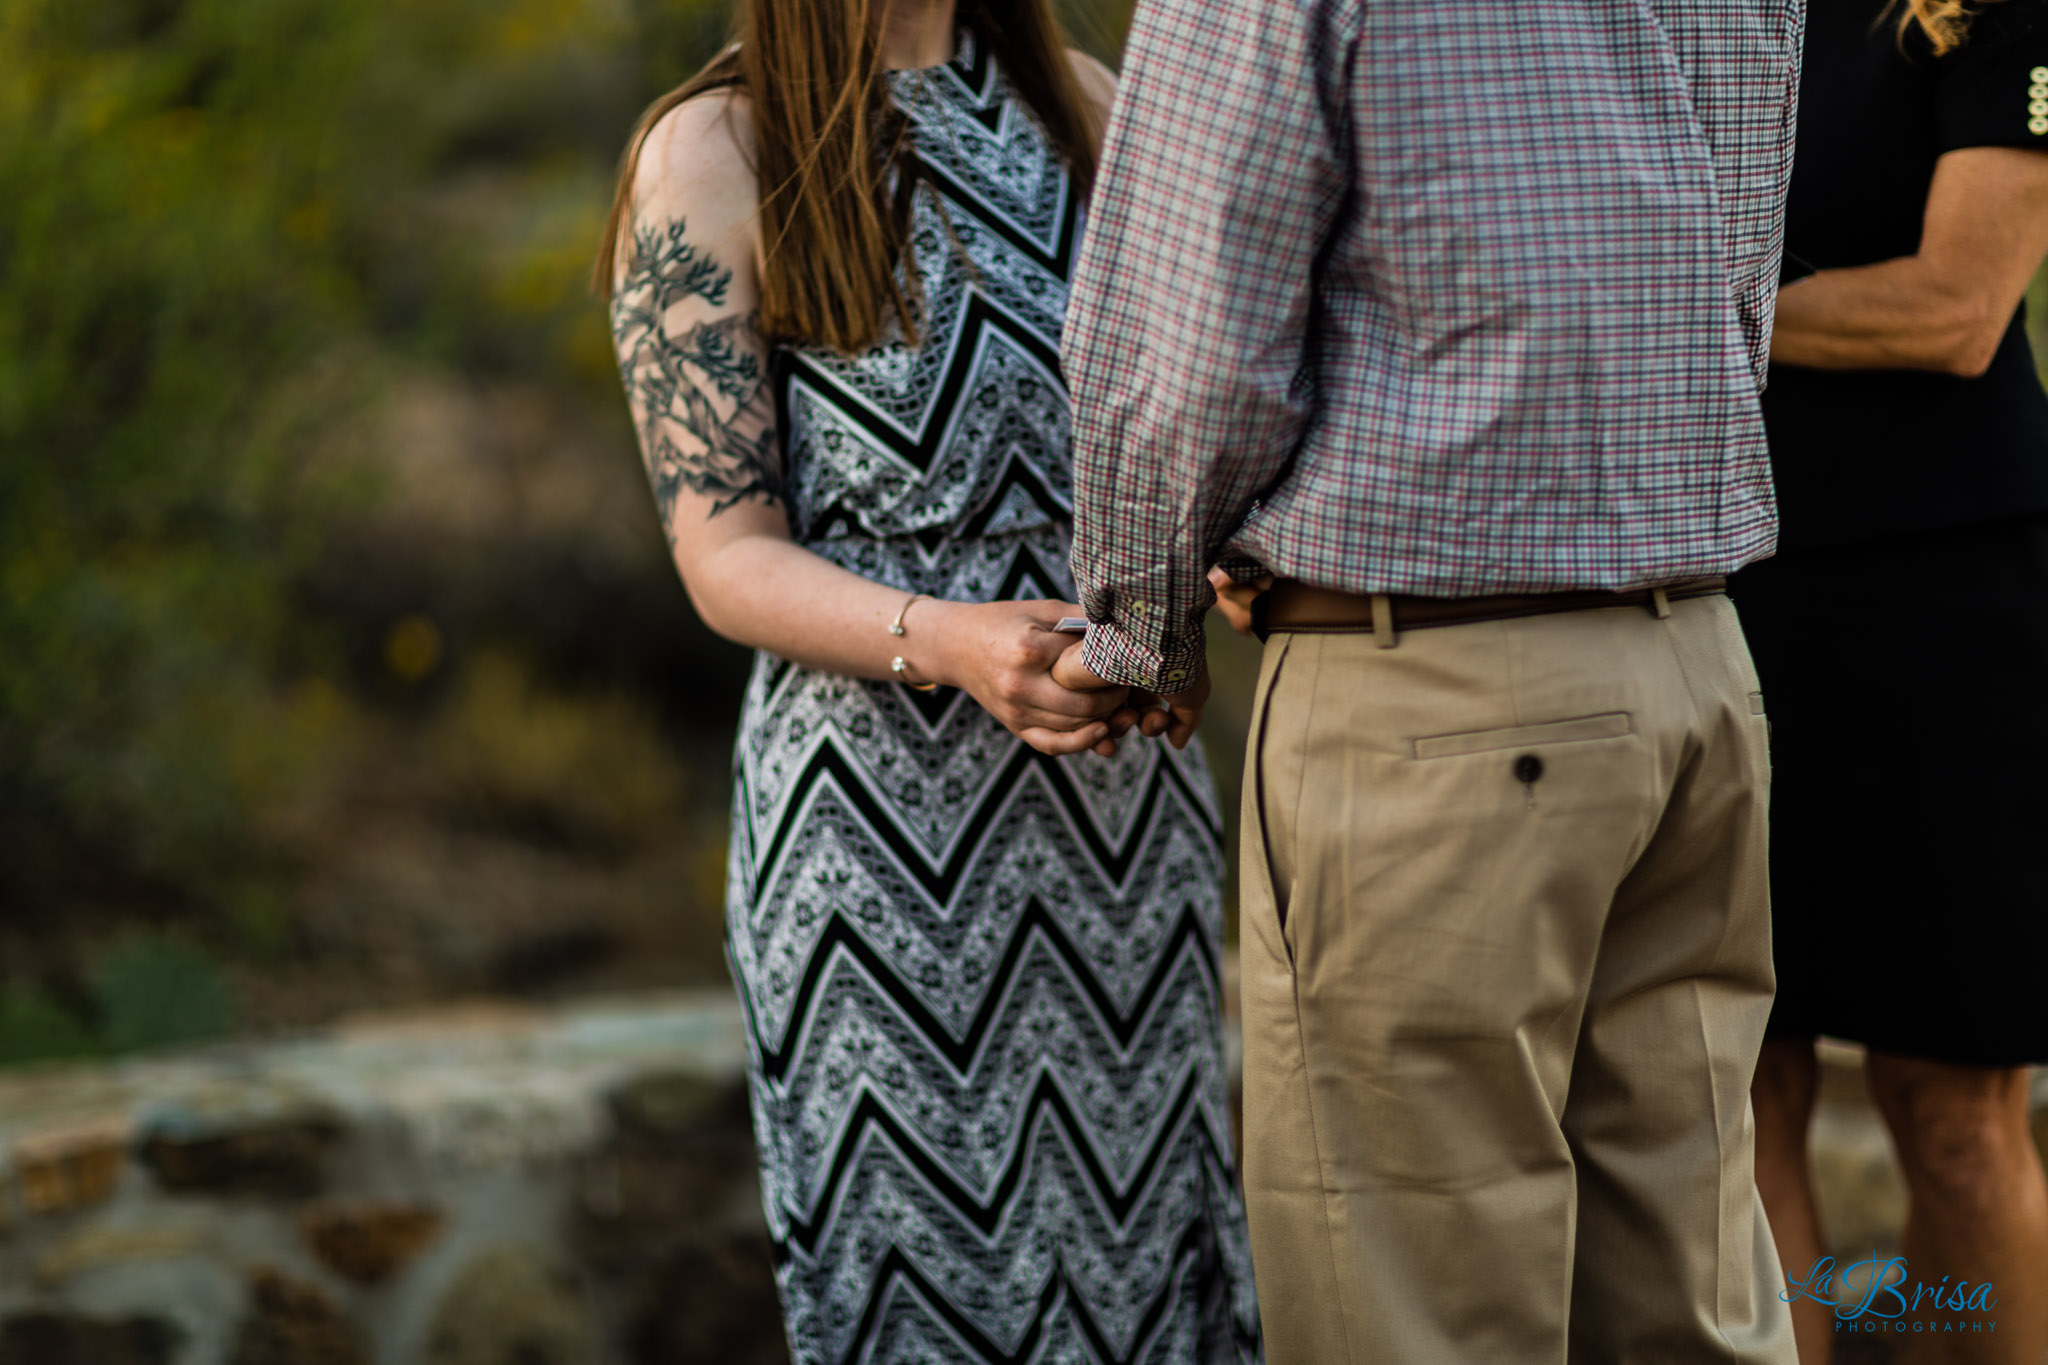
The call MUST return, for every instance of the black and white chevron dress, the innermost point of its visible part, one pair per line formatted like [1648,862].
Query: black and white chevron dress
[982,984]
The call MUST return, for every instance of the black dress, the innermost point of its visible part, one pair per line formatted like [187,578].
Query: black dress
[1902,631]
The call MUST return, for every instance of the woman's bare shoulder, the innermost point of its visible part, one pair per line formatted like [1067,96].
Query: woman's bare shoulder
[697,159]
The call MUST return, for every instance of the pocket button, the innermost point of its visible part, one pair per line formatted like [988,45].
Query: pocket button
[1528,768]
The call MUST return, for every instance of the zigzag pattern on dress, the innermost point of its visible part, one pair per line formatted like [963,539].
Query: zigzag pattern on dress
[982,985]
[993,232]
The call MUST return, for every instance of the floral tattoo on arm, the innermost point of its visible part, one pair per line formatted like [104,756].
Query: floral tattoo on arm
[699,390]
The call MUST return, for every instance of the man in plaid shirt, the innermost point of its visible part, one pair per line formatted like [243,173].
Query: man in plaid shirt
[1451,315]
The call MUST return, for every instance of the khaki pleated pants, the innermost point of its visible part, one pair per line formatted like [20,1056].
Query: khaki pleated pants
[1507,961]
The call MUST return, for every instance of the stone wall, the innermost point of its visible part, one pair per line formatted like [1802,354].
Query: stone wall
[474,1186]
[471,1187]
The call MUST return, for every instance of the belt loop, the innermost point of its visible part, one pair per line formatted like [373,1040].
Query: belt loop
[1660,602]
[1383,621]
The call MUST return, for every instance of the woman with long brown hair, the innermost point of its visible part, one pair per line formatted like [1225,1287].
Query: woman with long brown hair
[1902,638]
[980,965]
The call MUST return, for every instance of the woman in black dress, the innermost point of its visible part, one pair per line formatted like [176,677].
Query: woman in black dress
[1902,638]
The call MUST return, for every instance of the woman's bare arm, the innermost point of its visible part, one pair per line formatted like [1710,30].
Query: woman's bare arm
[685,322]
[1947,307]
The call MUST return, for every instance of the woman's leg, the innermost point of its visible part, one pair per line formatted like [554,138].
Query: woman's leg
[1782,1096]
[1978,1204]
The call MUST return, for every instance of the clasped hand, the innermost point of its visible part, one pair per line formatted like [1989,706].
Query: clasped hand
[1030,677]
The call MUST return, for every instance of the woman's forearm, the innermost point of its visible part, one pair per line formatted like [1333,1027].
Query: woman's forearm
[1896,315]
[777,596]
[1947,307]
[764,591]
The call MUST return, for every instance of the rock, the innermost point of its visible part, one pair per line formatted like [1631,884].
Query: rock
[65,1339]
[291,1323]
[368,1243]
[97,1248]
[714,1299]
[71,1166]
[684,1160]
[509,1308]
[637,1199]
[287,1159]
[368,1167]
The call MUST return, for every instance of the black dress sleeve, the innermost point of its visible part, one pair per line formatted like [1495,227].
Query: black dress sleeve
[1993,91]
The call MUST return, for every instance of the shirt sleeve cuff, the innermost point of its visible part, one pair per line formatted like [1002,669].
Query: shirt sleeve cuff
[1116,655]
[1242,568]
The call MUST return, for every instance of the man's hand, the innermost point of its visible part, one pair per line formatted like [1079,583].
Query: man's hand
[1176,716]
[1234,599]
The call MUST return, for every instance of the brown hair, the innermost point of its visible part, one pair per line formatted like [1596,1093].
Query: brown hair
[1945,22]
[824,137]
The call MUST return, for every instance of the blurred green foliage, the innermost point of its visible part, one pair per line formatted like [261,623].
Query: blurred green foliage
[228,223]
[227,220]
[34,1028]
[164,312]
[511,754]
[147,990]
[156,990]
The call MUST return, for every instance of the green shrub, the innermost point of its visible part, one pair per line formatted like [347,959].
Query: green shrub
[35,1029]
[153,991]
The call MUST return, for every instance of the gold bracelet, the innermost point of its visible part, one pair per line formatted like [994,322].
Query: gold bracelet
[897,666]
[896,626]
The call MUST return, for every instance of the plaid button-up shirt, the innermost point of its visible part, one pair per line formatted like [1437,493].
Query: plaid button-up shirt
[1447,297]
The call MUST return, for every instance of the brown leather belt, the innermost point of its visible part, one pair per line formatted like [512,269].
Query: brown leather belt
[1302,609]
